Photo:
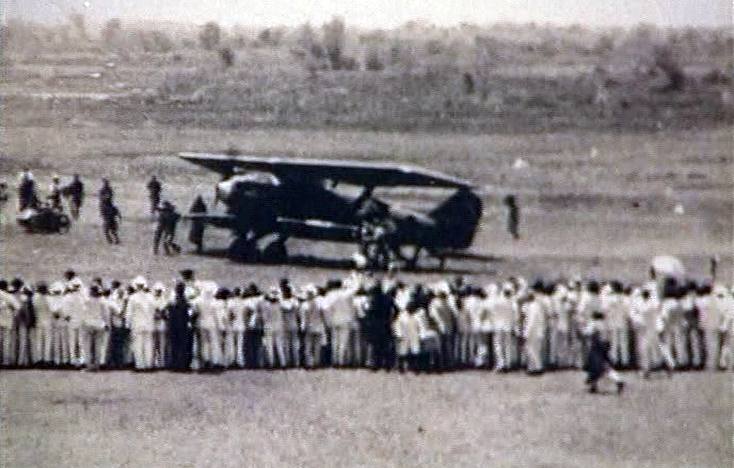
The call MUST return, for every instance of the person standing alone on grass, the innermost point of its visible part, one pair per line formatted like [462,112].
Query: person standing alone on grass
[513,216]
[154,193]
[75,193]
[110,220]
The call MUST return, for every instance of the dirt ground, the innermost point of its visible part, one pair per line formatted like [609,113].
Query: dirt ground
[359,418]
[594,202]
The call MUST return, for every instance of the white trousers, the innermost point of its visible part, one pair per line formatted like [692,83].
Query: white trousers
[43,343]
[312,349]
[711,338]
[273,346]
[619,351]
[502,349]
[143,349]
[340,345]
[534,352]
[6,346]
[210,346]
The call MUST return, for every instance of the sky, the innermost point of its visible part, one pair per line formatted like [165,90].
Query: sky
[382,13]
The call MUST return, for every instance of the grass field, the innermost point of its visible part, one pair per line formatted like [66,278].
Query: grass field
[358,418]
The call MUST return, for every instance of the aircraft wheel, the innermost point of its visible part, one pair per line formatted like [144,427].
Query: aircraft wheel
[64,224]
[275,252]
[242,250]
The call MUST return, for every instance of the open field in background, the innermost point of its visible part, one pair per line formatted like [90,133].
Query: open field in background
[358,418]
[578,195]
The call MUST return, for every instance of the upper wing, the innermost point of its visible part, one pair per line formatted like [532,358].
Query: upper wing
[352,172]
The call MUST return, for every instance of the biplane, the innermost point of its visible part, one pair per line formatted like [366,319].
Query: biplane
[271,199]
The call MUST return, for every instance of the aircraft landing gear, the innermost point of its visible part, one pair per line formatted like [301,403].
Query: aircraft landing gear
[274,251]
[243,250]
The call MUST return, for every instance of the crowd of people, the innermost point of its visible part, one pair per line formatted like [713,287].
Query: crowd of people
[368,321]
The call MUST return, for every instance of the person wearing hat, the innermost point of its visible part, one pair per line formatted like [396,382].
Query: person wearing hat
[208,342]
[272,341]
[160,340]
[119,325]
[503,313]
[73,307]
[9,307]
[180,316]
[43,339]
[291,338]
[533,332]
[94,330]
[141,314]
[441,311]
[59,330]
[313,327]
[341,313]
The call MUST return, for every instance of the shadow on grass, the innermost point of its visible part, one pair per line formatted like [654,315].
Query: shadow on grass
[313,261]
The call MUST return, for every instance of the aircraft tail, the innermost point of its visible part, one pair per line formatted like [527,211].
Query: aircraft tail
[457,219]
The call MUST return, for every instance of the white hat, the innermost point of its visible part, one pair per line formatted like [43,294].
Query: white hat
[159,287]
[75,283]
[492,289]
[139,281]
[56,288]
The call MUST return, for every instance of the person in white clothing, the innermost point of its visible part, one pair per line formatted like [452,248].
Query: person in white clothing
[534,331]
[406,330]
[503,311]
[94,330]
[313,322]
[43,340]
[141,315]
[59,338]
[74,308]
[615,311]
[342,316]
[272,319]
[9,307]
[726,308]
[208,325]
[645,316]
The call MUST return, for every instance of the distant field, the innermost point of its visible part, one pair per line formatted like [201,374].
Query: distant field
[357,418]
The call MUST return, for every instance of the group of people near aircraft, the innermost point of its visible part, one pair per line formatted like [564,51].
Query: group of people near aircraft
[367,321]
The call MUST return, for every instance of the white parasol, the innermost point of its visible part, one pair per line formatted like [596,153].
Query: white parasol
[668,266]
